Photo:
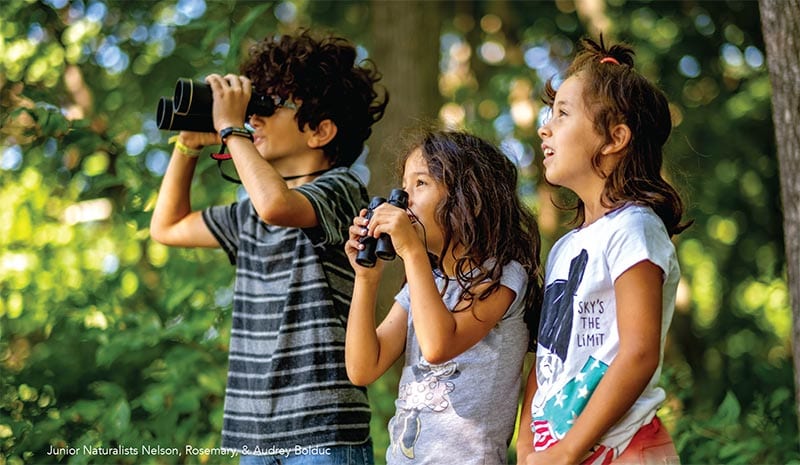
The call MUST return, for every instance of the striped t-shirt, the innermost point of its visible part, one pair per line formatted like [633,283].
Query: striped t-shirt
[287,384]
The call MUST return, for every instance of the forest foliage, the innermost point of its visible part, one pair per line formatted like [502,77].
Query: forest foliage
[108,339]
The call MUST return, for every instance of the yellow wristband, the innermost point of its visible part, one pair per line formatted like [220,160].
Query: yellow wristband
[183,148]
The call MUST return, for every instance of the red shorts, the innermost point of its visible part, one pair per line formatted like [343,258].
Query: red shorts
[650,445]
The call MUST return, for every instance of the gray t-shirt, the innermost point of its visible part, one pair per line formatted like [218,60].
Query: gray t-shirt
[462,411]
[287,383]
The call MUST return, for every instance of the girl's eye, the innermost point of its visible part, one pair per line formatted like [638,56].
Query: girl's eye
[420,183]
[562,113]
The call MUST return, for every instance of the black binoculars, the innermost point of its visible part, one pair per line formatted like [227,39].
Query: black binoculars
[190,107]
[381,247]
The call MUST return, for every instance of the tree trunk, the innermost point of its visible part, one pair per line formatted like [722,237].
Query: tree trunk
[405,48]
[780,21]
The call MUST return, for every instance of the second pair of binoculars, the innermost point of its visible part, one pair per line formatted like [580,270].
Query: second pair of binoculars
[382,246]
[189,109]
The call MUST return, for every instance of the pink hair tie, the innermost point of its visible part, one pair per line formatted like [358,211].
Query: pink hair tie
[609,60]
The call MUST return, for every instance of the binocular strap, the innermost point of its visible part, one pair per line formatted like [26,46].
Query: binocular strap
[221,156]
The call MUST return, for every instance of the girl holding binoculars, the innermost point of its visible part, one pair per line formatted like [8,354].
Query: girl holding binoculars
[461,316]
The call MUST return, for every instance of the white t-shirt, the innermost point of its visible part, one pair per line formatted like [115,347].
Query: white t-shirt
[578,333]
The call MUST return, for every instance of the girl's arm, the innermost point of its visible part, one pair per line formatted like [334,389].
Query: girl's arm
[442,334]
[638,293]
[525,435]
[368,351]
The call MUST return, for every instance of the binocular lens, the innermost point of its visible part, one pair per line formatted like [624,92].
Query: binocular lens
[192,97]
[168,119]
[164,113]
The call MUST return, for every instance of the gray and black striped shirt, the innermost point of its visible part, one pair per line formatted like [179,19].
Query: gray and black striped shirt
[287,384]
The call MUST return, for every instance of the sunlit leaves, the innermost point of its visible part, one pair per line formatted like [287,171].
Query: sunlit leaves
[95,164]
[725,230]
[71,263]
[699,265]
[661,31]
[767,302]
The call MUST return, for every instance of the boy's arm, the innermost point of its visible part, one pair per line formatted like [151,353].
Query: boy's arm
[639,306]
[525,435]
[173,221]
[273,200]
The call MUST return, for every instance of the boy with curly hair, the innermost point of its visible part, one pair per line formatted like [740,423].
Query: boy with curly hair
[288,396]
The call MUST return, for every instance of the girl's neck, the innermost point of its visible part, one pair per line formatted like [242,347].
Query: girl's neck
[449,262]
[591,195]
[593,211]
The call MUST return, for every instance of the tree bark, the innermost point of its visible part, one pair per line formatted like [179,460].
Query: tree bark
[780,21]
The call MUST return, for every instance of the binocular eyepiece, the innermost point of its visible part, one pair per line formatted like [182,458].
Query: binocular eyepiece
[190,107]
[381,247]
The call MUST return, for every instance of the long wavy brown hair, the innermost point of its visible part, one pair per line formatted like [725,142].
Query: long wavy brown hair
[615,93]
[483,213]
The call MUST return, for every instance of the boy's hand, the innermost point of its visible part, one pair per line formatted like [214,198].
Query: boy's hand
[353,246]
[231,95]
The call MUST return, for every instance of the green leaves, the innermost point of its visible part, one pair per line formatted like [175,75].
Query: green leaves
[728,411]
[241,30]
[106,338]
[734,436]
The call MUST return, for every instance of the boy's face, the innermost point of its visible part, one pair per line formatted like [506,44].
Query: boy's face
[280,142]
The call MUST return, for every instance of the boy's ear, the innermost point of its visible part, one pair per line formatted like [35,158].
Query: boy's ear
[620,138]
[325,132]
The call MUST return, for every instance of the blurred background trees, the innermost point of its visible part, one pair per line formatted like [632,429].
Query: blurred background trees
[107,338]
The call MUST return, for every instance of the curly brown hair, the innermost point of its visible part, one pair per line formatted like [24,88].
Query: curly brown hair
[323,75]
[615,93]
[483,213]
